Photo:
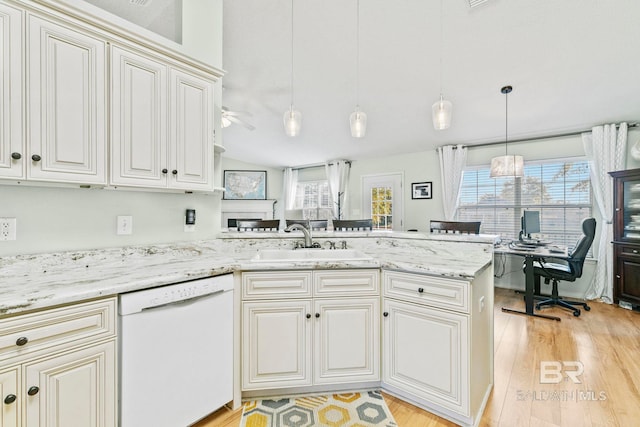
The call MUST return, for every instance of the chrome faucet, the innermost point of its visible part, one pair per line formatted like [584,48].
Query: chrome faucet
[308,240]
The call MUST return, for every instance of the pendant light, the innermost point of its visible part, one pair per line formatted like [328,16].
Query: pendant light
[292,117]
[358,119]
[507,165]
[441,109]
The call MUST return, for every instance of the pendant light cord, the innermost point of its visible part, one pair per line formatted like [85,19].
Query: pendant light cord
[441,42]
[292,55]
[357,53]
[506,90]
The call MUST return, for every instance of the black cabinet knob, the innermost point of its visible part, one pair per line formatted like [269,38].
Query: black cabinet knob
[22,341]
[36,158]
[308,316]
[421,290]
[317,315]
[175,172]
[10,399]
[33,390]
[16,156]
[165,170]
[385,314]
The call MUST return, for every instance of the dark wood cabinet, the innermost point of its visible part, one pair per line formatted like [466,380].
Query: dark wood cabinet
[626,237]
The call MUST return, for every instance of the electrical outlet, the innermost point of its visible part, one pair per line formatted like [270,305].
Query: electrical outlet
[7,229]
[124,225]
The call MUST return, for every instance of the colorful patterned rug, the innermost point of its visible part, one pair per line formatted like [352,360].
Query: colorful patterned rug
[363,409]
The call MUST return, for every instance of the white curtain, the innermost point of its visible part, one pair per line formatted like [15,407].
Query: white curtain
[606,148]
[338,177]
[453,159]
[290,186]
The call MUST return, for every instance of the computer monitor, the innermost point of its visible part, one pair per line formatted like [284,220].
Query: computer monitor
[530,224]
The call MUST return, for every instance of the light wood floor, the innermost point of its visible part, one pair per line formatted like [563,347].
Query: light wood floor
[606,340]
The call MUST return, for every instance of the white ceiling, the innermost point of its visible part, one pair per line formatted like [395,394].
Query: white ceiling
[573,64]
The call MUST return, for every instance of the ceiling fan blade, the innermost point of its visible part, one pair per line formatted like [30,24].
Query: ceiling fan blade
[240,122]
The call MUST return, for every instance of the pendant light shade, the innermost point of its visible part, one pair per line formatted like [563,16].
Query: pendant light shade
[292,117]
[442,114]
[358,122]
[507,165]
[441,110]
[292,122]
[358,119]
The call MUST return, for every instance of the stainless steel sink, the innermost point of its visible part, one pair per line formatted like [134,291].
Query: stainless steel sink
[289,255]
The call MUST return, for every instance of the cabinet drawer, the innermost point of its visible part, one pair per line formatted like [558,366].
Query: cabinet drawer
[77,324]
[434,291]
[346,282]
[276,284]
[628,250]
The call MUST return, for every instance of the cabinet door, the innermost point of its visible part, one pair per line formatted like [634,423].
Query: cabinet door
[76,389]
[67,114]
[276,344]
[9,390]
[425,353]
[11,132]
[138,120]
[628,278]
[191,131]
[346,340]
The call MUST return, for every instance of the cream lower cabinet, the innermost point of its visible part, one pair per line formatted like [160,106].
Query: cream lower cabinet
[437,336]
[58,367]
[296,333]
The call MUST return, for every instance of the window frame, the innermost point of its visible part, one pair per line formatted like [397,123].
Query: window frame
[519,205]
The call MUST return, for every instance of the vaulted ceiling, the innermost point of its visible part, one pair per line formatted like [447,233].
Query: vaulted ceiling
[572,63]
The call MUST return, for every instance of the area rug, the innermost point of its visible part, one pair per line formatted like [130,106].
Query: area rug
[356,409]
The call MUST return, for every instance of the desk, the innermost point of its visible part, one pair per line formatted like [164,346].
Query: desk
[530,255]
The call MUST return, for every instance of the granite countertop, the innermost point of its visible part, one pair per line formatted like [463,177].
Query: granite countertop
[29,282]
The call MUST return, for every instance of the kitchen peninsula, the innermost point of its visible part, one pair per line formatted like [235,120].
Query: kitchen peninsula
[438,287]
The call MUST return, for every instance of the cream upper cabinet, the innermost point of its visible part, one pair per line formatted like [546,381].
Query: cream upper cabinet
[67,85]
[191,131]
[161,124]
[138,120]
[11,118]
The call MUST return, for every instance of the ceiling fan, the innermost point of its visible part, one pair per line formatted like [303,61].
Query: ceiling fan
[229,117]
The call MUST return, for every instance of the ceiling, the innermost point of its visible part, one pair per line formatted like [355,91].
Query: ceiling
[573,64]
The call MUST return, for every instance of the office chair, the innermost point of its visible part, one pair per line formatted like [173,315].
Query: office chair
[468,227]
[569,271]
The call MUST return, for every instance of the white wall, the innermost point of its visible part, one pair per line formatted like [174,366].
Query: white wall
[57,219]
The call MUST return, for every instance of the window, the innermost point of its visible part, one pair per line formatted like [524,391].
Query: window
[560,190]
[312,197]
[381,208]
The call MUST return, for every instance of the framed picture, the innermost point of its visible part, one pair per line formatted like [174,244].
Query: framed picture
[421,190]
[245,185]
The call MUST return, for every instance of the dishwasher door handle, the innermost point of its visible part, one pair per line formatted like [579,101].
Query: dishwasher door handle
[181,302]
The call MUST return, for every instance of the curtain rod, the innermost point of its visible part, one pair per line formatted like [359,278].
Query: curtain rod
[560,135]
[317,165]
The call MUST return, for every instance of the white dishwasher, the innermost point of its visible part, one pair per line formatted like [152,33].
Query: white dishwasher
[176,352]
